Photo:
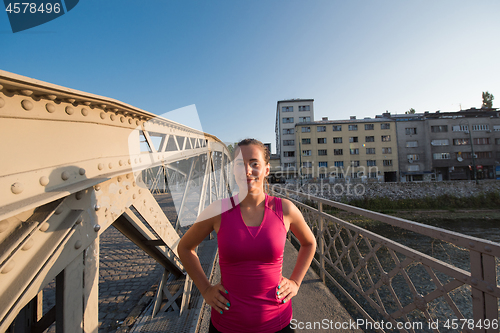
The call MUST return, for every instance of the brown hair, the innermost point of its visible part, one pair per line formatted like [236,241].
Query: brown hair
[265,153]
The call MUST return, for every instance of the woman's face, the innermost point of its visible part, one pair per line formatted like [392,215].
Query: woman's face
[250,169]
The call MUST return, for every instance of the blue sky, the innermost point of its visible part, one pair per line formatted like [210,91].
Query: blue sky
[234,59]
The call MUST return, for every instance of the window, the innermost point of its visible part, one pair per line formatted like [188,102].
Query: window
[414,167]
[386,138]
[410,130]
[484,154]
[353,139]
[411,144]
[323,164]
[339,164]
[496,128]
[372,175]
[369,139]
[306,152]
[321,140]
[288,165]
[412,157]
[287,109]
[460,128]
[307,164]
[307,176]
[339,175]
[441,156]
[322,152]
[322,176]
[443,142]
[338,152]
[288,154]
[306,129]
[439,128]
[337,140]
[304,108]
[306,141]
[370,150]
[461,142]
[337,128]
[287,120]
[353,127]
[321,128]
[497,141]
[354,151]
[387,162]
[480,127]
[385,126]
[288,130]
[369,127]
[371,163]
[387,150]
[304,119]
[355,163]
[481,141]
[288,142]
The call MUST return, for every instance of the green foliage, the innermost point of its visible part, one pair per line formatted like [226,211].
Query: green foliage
[487,100]
[411,111]
[489,200]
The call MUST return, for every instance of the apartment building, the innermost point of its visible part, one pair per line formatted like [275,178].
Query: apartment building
[347,149]
[288,114]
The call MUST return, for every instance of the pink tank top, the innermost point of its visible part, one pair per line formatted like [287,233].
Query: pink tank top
[251,260]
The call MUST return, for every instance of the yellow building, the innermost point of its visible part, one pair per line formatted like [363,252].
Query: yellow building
[347,149]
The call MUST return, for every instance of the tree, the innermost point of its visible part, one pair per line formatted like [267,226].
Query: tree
[411,111]
[487,100]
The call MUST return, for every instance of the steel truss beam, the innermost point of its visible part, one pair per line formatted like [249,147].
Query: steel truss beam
[74,168]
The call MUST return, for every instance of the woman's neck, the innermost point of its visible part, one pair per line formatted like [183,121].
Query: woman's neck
[252,199]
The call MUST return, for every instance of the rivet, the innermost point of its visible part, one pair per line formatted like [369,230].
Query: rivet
[471,244]
[134,184]
[86,103]
[2,102]
[103,106]
[97,227]
[137,122]
[129,161]
[97,187]
[44,227]
[27,105]
[17,188]
[130,121]
[144,201]
[127,175]
[78,244]
[134,196]
[28,245]
[79,220]
[27,92]
[140,191]
[10,265]
[97,207]
[127,187]
[100,166]
[71,100]
[44,180]
[120,162]
[59,210]
[65,175]
[487,248]
[70,110]
[113,116]
[103,115]
[474,281]
[120,191]
[4,225]
[51,97]
[79,195]
[119,179]
[110,165]
[1,87]
[122,119]
[85,112]
[81,171]
[51,108]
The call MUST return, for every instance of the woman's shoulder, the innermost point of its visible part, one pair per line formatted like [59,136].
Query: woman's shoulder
[215,209]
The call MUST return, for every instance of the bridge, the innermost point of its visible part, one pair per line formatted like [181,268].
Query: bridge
[75,164]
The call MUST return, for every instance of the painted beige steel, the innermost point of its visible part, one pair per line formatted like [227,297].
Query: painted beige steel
[348,249]
[74,166]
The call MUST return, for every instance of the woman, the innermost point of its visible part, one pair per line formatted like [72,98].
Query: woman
[251,227]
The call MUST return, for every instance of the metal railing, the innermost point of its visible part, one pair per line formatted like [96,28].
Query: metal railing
[395,287]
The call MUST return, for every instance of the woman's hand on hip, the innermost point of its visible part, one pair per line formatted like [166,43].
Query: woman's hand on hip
[287,289]
[213,295]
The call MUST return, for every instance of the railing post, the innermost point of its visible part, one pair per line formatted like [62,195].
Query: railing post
[321,243]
